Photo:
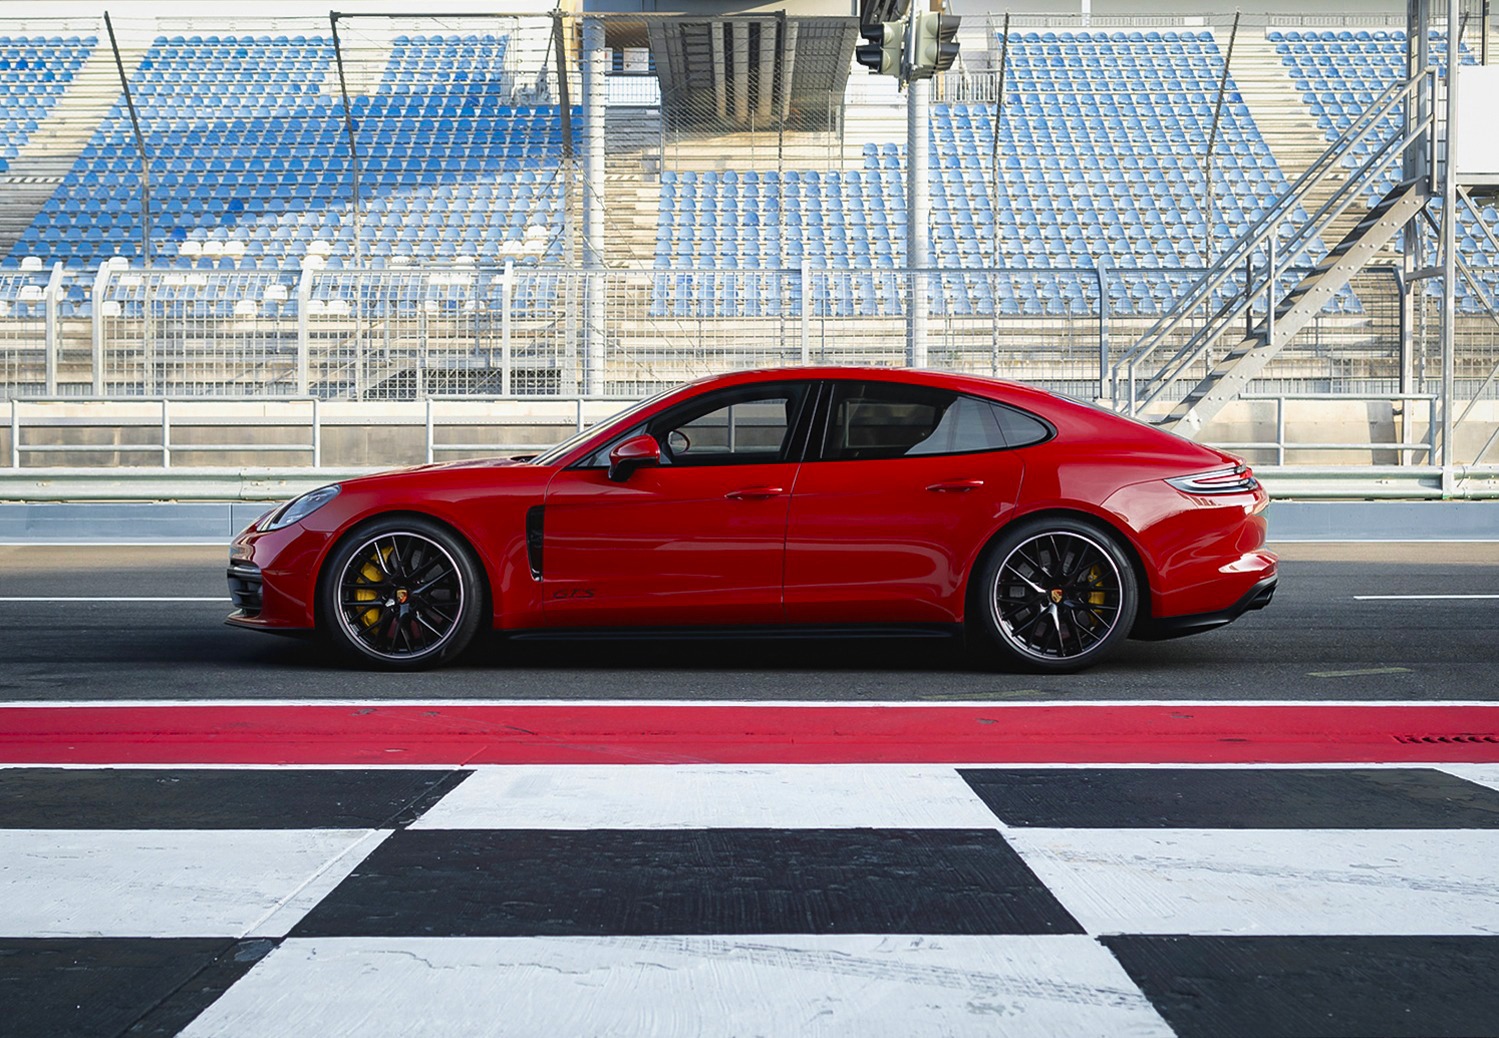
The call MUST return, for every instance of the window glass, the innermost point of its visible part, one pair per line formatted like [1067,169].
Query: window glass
[739,427]
[1019,428]
[884,420]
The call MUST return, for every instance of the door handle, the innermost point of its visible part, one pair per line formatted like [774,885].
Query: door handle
[754,493]
[956,486]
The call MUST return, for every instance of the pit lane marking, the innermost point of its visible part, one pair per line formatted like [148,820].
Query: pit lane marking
[1416,598]
[1357,673]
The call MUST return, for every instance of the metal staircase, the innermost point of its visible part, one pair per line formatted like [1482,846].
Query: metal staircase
[1185,347]
[1241,364]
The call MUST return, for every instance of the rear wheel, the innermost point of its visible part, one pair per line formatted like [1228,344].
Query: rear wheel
[1055,595]
[403,593]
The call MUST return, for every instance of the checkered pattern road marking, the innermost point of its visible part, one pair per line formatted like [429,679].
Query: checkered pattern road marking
[724,899]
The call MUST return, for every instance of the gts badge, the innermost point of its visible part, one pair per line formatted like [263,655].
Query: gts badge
[576,593]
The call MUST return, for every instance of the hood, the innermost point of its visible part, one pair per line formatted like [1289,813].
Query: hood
[469,465]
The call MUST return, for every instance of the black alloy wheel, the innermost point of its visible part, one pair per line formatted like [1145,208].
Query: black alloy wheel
[404,593]
[1058,595]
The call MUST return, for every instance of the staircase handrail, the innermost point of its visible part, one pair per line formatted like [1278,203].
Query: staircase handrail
[1192,350]
[1263,228]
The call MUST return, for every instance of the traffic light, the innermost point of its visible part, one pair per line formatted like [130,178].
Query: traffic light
[935,48]
[882,54]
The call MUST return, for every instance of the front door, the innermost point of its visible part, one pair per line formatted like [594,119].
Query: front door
[698,539]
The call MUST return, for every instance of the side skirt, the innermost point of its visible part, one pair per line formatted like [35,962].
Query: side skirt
[765,632]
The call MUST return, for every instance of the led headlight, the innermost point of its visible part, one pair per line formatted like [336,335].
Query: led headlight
[299,508]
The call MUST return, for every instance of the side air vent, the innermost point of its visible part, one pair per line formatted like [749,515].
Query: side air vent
[534,517]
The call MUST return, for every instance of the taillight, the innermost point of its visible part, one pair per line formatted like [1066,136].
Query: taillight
[1236,480]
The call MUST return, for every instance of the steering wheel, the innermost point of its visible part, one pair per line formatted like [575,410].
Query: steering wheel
[677,442]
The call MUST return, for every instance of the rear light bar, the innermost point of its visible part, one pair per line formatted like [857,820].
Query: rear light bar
[1236,480]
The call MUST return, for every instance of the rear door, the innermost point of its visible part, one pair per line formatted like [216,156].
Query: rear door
[901,487]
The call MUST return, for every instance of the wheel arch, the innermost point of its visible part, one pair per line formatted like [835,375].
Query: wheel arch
[1099,522]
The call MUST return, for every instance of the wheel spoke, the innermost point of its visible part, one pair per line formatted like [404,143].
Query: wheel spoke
[423,621]
[1027,581]
[394,566]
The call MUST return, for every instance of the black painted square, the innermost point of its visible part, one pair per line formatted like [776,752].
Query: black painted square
[1317,987]
[212,798]
[55,987]
[701,881]
[1235,798]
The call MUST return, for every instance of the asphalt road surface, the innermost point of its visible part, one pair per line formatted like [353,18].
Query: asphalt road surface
[1317,641]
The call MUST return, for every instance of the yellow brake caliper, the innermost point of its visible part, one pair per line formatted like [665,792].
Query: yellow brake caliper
[1098,597]
[373,572]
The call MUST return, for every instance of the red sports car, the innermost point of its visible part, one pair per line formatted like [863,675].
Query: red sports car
[842,500]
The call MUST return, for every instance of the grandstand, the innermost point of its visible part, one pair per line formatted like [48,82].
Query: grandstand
[404,212]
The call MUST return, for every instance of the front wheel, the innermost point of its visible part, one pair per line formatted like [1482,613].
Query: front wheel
[403,593]
[1055,595]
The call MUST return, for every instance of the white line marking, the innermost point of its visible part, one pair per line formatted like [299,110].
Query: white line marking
[709,704]
[1357,673]
[117,598]
[1415,598]
[119,544]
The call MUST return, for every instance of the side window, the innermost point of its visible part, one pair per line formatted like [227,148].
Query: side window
[1019,429]
[871,420]
[737,427]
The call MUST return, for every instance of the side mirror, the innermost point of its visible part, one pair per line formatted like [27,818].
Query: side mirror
[634,453]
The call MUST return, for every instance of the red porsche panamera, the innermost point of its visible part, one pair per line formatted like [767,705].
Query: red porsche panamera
[837,500]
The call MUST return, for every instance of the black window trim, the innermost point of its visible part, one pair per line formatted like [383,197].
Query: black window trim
[825,416]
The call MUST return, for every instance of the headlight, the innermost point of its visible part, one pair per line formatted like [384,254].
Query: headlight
[1237,480]
[299,508]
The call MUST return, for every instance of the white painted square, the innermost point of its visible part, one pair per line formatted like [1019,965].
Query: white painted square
[170,883]
[693,987]
[1281,881]
[691,796]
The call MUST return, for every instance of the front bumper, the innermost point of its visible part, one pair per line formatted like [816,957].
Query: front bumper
[272,578]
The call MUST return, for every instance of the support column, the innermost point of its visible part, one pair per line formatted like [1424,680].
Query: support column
[1449,236]
[918,209]
[595,62]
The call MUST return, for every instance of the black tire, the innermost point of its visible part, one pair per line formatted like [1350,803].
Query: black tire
[1054,594]
[401,593]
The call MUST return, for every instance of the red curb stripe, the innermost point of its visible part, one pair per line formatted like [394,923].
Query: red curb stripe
[769,734]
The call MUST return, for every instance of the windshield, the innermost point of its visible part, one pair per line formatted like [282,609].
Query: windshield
[552,455]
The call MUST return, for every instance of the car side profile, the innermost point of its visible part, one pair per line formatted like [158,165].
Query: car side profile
[850,500]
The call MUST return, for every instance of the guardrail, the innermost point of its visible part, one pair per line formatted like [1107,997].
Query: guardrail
[1292,482]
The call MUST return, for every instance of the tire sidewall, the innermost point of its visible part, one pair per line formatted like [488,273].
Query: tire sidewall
[330,624]
[983,621]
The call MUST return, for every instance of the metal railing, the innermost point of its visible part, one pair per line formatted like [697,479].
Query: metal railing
[41,429]
[1283,443]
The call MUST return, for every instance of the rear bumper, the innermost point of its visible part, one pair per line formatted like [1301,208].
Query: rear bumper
[1161,628]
